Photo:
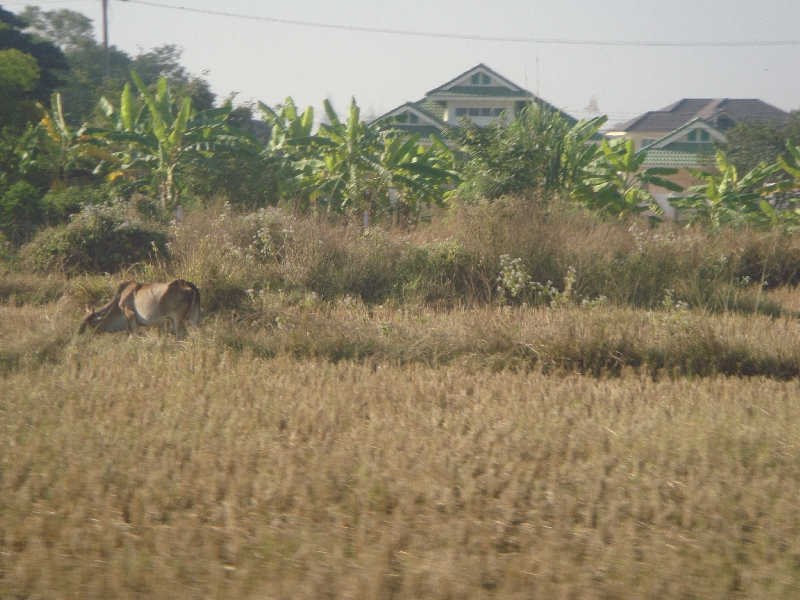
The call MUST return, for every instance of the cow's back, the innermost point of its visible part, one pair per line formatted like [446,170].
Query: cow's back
[154,303]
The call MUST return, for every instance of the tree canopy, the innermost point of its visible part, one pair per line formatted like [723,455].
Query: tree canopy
[30,69]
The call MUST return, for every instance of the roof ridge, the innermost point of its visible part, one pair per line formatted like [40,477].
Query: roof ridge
[497,75]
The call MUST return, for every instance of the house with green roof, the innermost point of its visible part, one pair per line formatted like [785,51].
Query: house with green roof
[479,94]
[720,113]
[690,146]
[683,135]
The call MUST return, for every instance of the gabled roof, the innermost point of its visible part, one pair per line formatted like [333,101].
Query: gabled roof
[462,80]
[424,117]
[698,123]
[668,152]
[715,111]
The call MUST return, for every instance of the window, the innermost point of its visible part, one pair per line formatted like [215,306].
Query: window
[496,112]
[474,112]
[486,112]
[698,135]
[480,79]
[412,118]
[461,112]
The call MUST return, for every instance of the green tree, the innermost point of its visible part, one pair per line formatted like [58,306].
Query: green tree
[67,29]
[73,147]
[163,137]
[727,199]
[415,174]
[291,149]
[28,84]
[355,164]
[540,149]
[19,74]
[615,183]
[752,142]
[73,32]
[347,163]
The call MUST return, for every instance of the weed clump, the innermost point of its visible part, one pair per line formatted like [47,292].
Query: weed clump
[99,239]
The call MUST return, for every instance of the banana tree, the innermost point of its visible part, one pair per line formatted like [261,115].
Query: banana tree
[727,199]
[291,145]
[159,141]
[347,167]
[791,169]
[615,182]
[418,175]
[71,145]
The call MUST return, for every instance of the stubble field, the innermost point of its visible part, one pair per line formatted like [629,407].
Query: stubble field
[145,468]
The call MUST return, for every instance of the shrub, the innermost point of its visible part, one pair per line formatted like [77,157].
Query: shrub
[61,205]
[21,209]
[99,239]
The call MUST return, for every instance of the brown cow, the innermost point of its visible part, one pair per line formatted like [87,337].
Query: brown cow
[147,304]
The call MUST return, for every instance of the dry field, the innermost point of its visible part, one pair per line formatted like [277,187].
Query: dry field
[144,468]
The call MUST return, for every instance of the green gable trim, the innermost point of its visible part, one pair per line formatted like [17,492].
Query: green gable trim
[494,75]
[688,126]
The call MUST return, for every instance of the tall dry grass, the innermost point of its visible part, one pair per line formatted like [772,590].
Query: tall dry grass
[141,468]
[456,260]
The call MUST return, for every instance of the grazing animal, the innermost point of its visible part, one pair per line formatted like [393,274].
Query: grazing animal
[147,304]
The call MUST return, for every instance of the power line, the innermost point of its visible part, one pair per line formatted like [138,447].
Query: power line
[460,36]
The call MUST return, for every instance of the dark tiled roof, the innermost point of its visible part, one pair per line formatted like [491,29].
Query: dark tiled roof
[716,110]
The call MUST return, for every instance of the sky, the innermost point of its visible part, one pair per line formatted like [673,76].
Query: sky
[268,61]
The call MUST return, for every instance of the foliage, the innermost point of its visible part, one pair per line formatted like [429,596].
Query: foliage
[157,142]
[353,165]
[30,69]
[792,165]
[727,199]
[750,143]
[73,147]
[66,29]
[616,185]
[19,73]
[62,204]
[73,32]
[103,238]
[538,150]
[290,148]
[21,209]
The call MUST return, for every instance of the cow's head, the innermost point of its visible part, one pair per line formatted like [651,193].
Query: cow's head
[91,318]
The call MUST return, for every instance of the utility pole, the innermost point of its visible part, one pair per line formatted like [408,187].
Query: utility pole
[105,41]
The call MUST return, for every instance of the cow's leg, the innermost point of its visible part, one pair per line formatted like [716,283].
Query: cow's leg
[180,328]
[133,325]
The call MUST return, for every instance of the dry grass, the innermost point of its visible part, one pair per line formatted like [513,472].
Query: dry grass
[599,341]
[304,444]
[141,468]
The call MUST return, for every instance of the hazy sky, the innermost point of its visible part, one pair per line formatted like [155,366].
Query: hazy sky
[268,61]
